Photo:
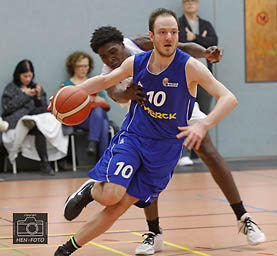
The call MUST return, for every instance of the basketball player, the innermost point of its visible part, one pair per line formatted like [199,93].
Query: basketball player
[113,49]
[169,78]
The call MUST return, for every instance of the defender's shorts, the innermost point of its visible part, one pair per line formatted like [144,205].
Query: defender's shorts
[143,166]
[196,114]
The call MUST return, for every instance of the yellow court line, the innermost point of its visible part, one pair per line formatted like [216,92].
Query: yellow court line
[109,249]
[6,237]
[121,242]
[178,246]
[186,249]
[117,231]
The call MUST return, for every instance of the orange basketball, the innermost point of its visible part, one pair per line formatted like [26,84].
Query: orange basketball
[71,105]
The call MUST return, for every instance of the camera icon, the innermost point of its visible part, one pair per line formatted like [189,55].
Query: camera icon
[30,226]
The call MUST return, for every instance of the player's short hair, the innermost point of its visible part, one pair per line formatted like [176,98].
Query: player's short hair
[104,35]
[75,57]
[160,12]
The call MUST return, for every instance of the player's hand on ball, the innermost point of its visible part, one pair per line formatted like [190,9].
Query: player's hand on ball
[194,135]
[214,54]
[70,105]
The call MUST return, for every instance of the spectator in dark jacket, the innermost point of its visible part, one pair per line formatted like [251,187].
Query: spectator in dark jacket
[194,29]
[25,97]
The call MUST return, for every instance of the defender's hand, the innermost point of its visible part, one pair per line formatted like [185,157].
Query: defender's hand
[136,93]
[214,54]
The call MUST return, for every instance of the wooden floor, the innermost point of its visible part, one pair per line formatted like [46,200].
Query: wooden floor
[194,215]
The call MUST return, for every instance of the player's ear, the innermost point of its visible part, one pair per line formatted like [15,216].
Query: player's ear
[150,34]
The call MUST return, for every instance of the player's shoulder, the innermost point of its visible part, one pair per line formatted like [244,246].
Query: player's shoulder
[130,58]
[127,41]
[194,63]
[182,53]
[181,57]
[128,63]
[132,46]
[194,68]
[142,56]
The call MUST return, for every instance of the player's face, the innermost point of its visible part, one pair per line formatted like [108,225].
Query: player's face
[165,36]
[25,78]
[112,54]
[81,68]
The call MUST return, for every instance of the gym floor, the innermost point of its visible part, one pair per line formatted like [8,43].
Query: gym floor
[195,217]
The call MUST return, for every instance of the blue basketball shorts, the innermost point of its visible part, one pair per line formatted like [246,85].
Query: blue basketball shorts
[143,166]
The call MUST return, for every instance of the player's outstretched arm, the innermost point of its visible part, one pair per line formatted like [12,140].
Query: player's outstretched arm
[212,53]
[103,82]
[144,42]
[197,73]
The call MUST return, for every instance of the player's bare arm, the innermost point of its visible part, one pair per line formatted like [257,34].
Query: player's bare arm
[197,73]
[103,82]
[212,53]
[144,42]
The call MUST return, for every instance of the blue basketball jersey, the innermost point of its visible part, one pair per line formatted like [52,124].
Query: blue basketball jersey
[169,103]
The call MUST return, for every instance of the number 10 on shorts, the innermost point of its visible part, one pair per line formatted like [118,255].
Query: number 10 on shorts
[125,170]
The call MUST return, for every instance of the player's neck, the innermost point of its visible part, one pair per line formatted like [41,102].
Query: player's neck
[159,63]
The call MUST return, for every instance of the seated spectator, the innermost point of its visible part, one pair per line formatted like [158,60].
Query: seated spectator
[78,65]
[24,104]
